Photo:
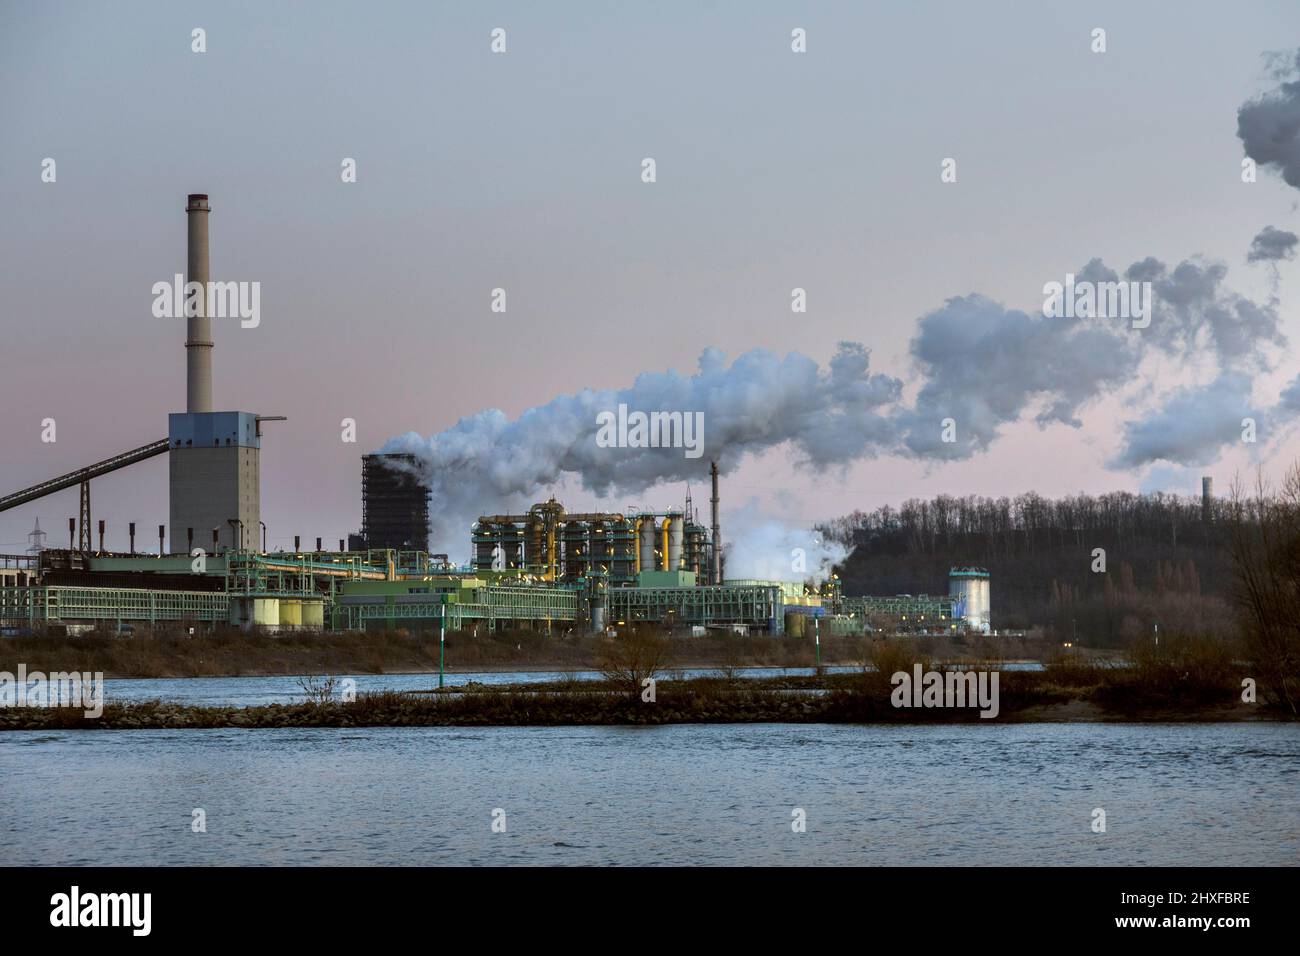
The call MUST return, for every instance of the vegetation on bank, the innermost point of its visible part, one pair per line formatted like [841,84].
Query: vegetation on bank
[232,653]
[1189,682]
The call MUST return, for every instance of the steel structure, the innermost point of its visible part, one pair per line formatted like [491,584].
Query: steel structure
[82,476]
[45,605]
[394,503]
[554,545]
[907,611]
[446,601]
[756,606]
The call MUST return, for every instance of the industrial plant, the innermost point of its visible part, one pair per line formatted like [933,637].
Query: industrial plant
[546,568]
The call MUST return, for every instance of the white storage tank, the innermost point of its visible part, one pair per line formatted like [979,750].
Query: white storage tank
[648,542]
[969,586]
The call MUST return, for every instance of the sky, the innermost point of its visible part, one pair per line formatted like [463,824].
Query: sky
[522,171]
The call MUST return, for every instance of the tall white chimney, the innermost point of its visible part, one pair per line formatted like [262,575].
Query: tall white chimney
[198,328]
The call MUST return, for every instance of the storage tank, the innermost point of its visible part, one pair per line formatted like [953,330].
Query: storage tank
[969,586]
[794,623]
[313,615]
[673,531]
[648,543]
[290,613]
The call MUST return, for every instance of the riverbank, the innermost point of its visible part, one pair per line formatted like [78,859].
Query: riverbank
[234,654]
[862,697]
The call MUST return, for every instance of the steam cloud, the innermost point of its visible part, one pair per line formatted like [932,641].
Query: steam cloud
[764,549]
[827,416]
[977,362]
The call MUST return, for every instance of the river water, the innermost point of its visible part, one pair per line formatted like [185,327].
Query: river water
[683,794]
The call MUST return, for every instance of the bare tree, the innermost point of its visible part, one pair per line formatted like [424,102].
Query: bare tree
[1266,556]
[632,657]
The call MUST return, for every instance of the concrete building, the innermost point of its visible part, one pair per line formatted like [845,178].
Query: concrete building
[215,480]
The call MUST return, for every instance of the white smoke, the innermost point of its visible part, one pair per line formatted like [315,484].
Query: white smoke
[762,548]
[835,415]
[980,364]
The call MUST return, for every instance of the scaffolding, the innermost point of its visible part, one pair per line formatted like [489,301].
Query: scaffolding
[905,611]
[394,503]
[428,604]
[754,606]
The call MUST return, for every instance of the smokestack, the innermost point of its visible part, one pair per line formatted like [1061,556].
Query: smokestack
[162,535]
[318,547]
[72,533]
[198,328]
[296,547]
[341,543]
[1207,499]
[189,538]
[717,530]
[101,535]
[131,526]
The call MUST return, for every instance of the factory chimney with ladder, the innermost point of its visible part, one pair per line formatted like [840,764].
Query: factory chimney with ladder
[717,530]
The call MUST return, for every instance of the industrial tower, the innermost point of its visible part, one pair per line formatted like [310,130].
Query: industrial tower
[214,464]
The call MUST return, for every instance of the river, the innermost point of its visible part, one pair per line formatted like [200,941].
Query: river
[973,794]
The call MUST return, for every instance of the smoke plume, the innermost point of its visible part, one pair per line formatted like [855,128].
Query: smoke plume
[1269,126]
[979,367]
[1272,245]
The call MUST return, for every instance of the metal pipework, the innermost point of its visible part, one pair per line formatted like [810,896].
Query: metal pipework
[198,328]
